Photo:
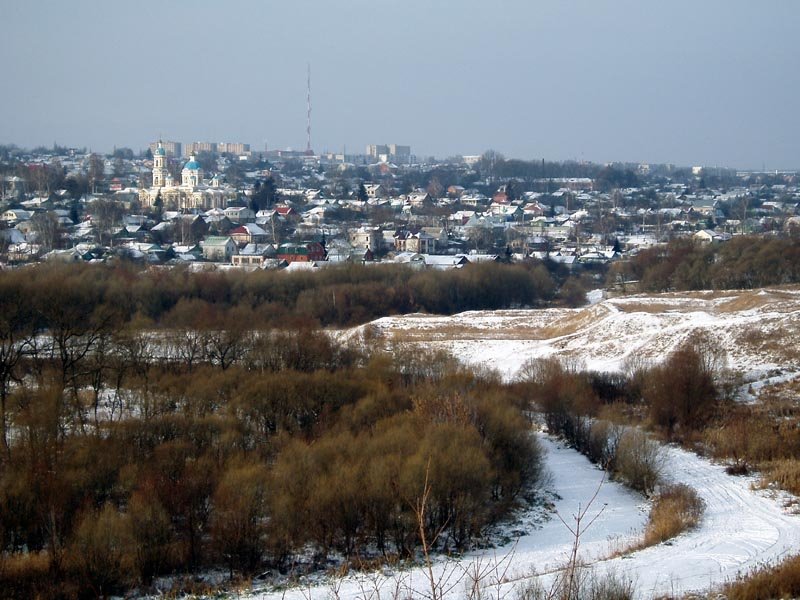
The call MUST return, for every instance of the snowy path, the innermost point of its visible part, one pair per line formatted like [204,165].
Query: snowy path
[740,530]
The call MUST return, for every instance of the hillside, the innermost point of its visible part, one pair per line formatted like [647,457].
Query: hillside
[757,330]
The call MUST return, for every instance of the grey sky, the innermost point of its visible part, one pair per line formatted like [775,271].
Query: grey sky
[710,82]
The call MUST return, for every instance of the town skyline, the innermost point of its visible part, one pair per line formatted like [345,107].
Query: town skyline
[600,82]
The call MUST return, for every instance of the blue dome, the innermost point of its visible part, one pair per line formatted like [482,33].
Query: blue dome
[192,165]
[160,151]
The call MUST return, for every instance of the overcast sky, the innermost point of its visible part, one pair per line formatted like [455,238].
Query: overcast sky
[713,82]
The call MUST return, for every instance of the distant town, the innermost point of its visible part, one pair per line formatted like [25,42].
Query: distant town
[225,205]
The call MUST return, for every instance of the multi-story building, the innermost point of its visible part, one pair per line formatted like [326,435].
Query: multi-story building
[173,149]
[389,153]
[376,150]
[400,154]
[233,148]
[218,147]
[198,147]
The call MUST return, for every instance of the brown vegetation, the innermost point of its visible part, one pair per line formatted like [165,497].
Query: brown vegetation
[137,448]
[765,583]
[676,508]
[742,263]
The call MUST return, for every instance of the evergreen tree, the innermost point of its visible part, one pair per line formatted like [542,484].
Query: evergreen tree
[362,192]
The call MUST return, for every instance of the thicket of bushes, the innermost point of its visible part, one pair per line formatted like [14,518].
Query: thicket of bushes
[743,262]
[132,451]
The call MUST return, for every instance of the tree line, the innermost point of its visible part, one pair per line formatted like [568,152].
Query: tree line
[335,296]
[744,262]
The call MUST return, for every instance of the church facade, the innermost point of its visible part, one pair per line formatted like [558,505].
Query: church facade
[193,192]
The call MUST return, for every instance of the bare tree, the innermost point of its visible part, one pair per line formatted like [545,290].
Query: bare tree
[96,171]
[107,214]
[47,229]
[17,338]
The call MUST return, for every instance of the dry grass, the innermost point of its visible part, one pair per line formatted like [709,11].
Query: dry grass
[776,300]
[573,323]
[648,307]
[783,473]
[780,343]
[782,400]
[460,332]
[745,301]
[542,325]
[677,508]
[780,581]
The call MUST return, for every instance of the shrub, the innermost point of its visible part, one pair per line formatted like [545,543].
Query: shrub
[779,581]
[237,524]
[586,585]
[681,393]
[26,575]
[677,508]
[152,532]
[639,461]
[603,444]
[102,551]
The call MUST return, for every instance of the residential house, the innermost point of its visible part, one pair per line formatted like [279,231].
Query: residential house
[286,212]
[187,252]
[341,251]
[411,259]
[240,214]
[219,248]
[367,238]
[473,198]
[376,190]
[474,257]
[706,236]
[439,235]
[301,252]
[16,215]
[11,236]
[532,210]
[248,233]
[455,191]
[419,199]
[253,255]
[442,262]
[510,212]
[316,215]
[418,241]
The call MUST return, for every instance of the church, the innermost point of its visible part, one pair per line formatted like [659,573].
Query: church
[193,192]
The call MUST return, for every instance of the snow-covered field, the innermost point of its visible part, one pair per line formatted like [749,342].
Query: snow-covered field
[741,528]
[756,329]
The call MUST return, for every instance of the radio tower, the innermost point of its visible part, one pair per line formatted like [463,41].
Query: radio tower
[309,151]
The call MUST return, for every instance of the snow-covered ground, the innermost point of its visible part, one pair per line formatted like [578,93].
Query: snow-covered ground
[753,328]
[741,528]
